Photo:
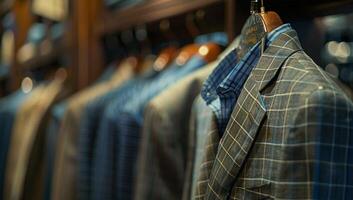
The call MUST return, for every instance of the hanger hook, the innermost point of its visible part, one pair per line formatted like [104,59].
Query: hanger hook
[262,8]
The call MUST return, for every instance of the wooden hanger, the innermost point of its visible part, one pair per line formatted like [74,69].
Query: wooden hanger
[186,53]
[256,27]
[164,58]
[209,52]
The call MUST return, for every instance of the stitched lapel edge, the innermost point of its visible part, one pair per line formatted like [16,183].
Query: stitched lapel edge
[274,56]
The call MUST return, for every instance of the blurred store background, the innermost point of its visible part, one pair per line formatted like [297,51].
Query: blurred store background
[83,37]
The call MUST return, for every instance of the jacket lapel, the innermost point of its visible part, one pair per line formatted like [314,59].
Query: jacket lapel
[247,116]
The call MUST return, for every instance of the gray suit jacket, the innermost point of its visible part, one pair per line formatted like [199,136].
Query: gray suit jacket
[163,151]
[289,136]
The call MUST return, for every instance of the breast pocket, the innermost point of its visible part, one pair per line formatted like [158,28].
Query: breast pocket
[253,191]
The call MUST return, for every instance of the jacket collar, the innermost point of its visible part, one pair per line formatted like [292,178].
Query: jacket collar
[275,55]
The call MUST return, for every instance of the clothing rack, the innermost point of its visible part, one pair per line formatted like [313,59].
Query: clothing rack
[105,22]
[89,21]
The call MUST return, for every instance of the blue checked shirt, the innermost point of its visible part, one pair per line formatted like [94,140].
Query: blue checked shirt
[119,135]
[223,87]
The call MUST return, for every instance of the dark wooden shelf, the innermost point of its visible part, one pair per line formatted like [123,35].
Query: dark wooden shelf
[148,12]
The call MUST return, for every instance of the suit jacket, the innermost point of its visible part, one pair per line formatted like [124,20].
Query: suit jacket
[202,122]
[64,183]
[289,136]
[162,156]
[25,162]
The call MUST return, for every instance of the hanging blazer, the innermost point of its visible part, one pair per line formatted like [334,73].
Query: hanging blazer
[24,177]
[290,135]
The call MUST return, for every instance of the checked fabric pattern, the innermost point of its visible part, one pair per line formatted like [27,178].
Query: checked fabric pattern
[210,153]
[289,136]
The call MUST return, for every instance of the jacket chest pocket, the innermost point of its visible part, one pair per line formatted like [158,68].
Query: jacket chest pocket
[253,190]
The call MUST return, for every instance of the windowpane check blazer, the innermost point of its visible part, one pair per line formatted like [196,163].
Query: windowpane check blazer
[289,135]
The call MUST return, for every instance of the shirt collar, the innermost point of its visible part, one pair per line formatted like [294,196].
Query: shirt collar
[209,91]
[228,83]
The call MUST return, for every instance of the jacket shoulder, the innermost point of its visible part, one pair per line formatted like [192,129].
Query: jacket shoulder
[301,71]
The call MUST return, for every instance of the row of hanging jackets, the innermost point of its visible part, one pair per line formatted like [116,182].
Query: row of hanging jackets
[268,124]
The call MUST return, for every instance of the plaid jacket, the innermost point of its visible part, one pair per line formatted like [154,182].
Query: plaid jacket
[289,136]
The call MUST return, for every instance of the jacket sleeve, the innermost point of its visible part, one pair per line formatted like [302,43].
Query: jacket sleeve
[325,123]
